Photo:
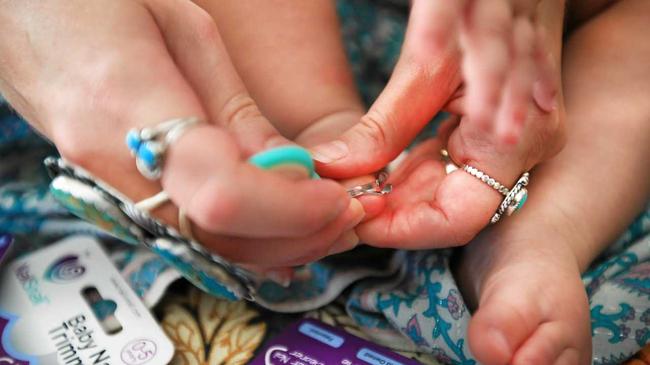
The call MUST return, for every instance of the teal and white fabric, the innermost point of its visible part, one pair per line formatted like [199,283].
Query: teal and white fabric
[404,300]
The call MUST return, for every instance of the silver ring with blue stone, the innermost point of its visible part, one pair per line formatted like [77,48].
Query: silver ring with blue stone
[514,198]
[148,145]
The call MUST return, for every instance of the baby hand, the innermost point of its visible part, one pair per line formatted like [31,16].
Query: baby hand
[505,60]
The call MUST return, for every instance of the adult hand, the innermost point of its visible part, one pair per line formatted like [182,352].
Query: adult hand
[428,208]
[84,73]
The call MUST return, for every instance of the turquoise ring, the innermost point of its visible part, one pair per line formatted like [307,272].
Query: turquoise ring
[148,145]
[514,200]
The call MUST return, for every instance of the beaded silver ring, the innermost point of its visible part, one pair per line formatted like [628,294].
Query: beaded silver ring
[514,198]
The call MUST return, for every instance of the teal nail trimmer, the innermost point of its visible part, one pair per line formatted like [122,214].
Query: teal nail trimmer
[291,158]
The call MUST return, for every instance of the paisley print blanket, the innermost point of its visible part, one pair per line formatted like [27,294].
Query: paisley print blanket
[407,301]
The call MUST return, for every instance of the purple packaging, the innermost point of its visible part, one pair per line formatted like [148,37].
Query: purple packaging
[6,353]
[5,243]
[310,342]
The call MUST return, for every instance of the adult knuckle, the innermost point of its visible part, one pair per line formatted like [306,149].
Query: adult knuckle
[374,126]
[240,107]
[99,87]
[94,82]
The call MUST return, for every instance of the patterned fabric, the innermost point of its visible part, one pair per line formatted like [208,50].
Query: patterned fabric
[208,330]
[407,301]
[641,358]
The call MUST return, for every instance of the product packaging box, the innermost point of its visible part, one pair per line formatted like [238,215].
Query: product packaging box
[310,342]
[67,304]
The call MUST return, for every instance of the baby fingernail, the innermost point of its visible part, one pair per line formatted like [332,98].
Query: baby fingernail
[346,242]
[356,213]
[330,152]
[545,98]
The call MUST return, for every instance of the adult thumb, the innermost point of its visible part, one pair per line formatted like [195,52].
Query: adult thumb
[423,80]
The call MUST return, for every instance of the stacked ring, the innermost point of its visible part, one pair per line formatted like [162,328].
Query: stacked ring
[486,179]
[514,198]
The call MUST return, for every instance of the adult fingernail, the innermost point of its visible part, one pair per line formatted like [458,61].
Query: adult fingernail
[330,152]
[546,99]
[277,141]
[346,242]
[355,212]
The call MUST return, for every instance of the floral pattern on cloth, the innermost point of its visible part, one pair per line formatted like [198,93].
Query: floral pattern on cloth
[407,301]
[211,330]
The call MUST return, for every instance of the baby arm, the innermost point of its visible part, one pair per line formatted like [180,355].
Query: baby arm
[291,57]
[523,275]
[593,189]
